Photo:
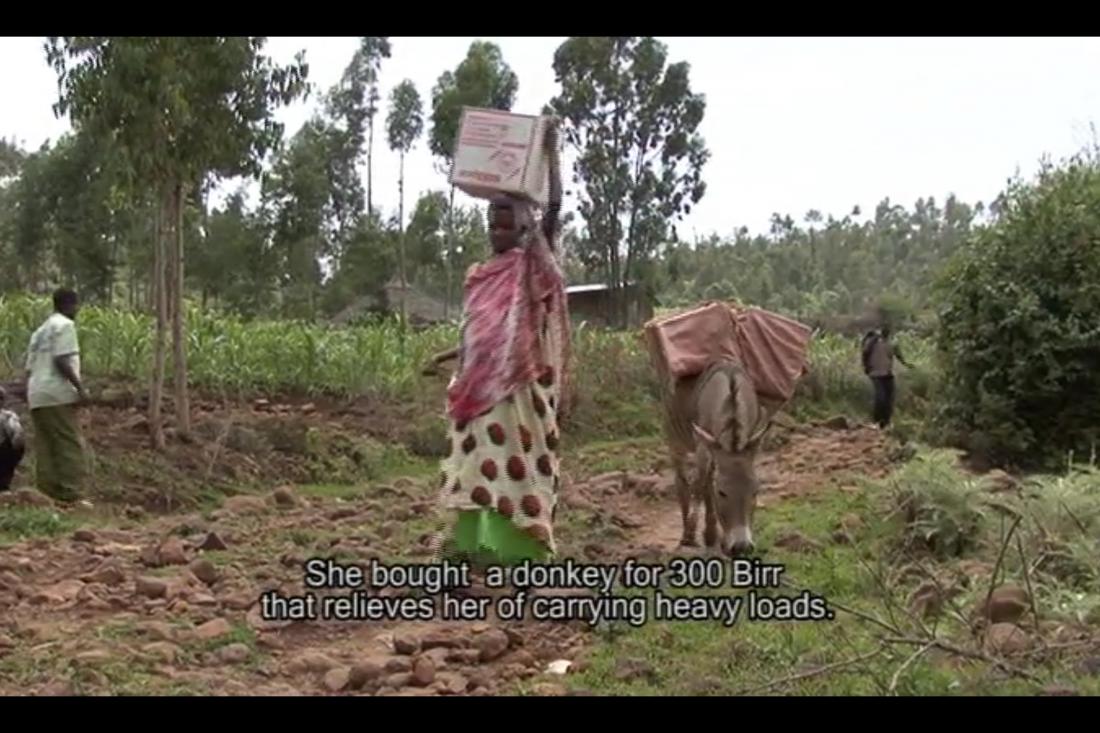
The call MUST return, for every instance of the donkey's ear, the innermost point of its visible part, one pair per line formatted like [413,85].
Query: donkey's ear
[708,440]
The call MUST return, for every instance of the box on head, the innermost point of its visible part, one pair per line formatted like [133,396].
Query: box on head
[501,152]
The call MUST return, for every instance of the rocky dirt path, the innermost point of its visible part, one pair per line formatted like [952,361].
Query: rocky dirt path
[168,605]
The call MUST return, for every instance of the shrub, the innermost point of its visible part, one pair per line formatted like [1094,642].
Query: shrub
[1019,322]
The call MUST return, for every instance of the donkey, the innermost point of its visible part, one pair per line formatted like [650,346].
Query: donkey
[717,417]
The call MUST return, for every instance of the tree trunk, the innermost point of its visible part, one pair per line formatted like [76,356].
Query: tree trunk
[401,245]
[179,331]
[370,158]
[447,255]
[160,296]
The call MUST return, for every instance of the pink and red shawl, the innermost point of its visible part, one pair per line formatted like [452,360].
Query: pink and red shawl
[510,302]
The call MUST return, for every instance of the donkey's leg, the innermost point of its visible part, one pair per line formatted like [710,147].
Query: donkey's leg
[710,530]
[685,493]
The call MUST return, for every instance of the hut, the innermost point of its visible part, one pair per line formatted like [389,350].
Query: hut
[593,303]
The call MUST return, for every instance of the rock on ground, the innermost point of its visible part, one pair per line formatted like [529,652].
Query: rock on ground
[336,679]
[1007,604]
[234,653]
[204,570]
[396,665]
[1006,639]
[549,689]
[213,629]
[491,645]
[284,498]
[244,504]
[438,639]
[397,680]
[213,542]
[61,592]
[450,683]
[311,661]
[423,673]
[364,672]
[406,644]
[109,572]
[172,552]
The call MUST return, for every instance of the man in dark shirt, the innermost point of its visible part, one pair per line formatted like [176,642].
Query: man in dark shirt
[878,363]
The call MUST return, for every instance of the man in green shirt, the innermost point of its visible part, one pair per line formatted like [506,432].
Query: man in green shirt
[54,390]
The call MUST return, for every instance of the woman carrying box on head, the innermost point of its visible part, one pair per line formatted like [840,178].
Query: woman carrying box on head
[501,478]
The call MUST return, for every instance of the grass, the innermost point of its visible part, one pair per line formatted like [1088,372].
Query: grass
[21,523]
[606,456]
[876,576]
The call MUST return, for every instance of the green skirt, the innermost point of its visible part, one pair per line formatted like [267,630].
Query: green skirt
[485,537]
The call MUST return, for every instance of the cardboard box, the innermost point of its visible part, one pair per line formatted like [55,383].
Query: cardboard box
[501,152]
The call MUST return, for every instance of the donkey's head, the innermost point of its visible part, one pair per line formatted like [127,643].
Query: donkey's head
[728,427]
[735,489]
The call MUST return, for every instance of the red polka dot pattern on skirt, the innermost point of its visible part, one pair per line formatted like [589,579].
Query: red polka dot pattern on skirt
[544,465]
[469,444]
[489,469]
[539,532]
[481,496]
[552,441]
[517,470]
[530,505]
[506,507]
[540,405]
[496,433]
[525,439]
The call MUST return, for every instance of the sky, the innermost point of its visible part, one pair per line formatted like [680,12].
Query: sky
[793,124]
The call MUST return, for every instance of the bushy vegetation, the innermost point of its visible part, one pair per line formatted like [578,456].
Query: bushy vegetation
[1019,322]
[955,516]
[247,358]
[241,357]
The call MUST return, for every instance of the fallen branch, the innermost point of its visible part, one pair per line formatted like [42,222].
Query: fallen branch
[851,611]
[905,665]
[1091,643]
[947,597]
[807,674]
[952,649]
